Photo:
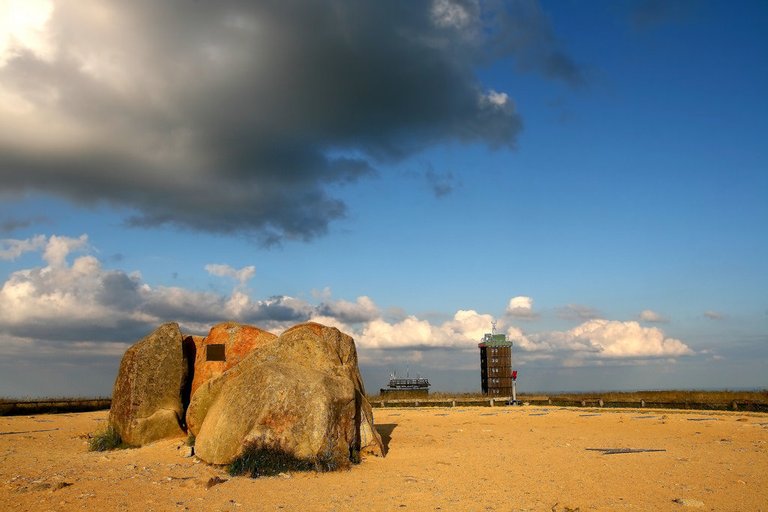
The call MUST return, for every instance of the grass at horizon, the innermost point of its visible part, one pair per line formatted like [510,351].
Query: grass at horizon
[659,396]
[48,405]
[7,399]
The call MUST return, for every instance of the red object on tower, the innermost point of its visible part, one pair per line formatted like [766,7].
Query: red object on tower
[514,374]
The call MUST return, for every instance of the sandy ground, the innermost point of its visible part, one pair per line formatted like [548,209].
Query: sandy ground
[501,459]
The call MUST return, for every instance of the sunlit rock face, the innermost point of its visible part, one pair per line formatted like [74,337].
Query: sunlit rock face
[225,346]
[302,395]
[147,402]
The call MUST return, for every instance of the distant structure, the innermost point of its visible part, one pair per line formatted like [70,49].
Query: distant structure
[496,364]
[406,387]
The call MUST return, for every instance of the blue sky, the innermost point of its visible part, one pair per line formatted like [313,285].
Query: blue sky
[591,175]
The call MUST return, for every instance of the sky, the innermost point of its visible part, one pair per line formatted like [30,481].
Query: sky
[590,176]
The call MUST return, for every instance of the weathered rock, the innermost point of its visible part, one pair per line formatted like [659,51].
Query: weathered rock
[301,394]
[147,397]
[224,347]
[323,348]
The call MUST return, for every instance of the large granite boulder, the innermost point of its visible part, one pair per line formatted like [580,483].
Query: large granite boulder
[147,402]
[302,394]
[224,347]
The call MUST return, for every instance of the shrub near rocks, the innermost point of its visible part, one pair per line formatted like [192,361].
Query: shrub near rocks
[257,460]
[107,439]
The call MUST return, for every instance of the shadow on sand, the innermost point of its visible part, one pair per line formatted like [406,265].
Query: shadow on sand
[385,431]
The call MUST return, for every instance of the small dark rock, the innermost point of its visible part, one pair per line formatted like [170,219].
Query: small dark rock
[216,480]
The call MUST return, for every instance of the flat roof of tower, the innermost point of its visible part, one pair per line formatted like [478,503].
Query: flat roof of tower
[495,340]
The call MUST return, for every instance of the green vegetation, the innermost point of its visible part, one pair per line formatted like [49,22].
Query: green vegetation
[51,405]
[107,439]
[674,396]
[258,460]
[668,396]
[671,399]
[437,395]
[191,440]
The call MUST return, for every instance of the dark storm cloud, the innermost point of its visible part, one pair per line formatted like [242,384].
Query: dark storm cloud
[231,116]
[181,305]
[522,30]
[441,184]
[278,309]
[14,224]
[363,310]
[652,13]
[63,332]
[119,290]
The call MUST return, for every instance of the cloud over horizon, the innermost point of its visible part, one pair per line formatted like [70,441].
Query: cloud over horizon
[190,117]
[73,304]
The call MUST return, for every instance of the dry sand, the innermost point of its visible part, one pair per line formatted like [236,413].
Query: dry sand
[502,459]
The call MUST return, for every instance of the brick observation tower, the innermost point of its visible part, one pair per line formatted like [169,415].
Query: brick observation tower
[496,364]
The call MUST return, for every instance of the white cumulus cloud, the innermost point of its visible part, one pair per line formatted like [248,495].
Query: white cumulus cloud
[58,248]
[446,13]
[22,27]
[242,276]
[464,330]
[521,307]
[51,301]
[611,339]
[648,315]
[10,248]
[498,98]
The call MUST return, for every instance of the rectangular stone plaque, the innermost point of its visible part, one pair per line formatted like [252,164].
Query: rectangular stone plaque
[214,352]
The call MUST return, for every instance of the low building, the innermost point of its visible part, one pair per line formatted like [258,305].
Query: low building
[406,388]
